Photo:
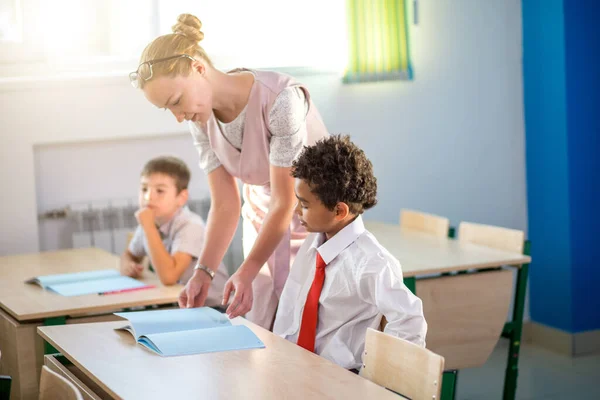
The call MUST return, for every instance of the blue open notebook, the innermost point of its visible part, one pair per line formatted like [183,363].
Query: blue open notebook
[90,282]
[186,331]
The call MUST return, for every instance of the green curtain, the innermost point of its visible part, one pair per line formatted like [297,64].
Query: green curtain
[378,41]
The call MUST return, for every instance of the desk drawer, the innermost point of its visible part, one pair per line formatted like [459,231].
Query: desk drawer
[89,390]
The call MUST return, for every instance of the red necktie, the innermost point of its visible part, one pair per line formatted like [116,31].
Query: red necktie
[310,315]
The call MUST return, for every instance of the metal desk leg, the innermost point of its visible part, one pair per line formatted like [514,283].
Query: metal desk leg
[411,284]
[513,330]
[48,348]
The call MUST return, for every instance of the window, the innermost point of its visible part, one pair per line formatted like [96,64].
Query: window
[269,33]
[105,35]
[10,21]
[378,41]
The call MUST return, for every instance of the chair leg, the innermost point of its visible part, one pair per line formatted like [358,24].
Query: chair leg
[449,385]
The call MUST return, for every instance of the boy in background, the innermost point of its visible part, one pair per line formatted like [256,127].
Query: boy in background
[168,232]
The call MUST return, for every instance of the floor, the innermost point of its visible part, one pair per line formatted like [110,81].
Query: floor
[542,375]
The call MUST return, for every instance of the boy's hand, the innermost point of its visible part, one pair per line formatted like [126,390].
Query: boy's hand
[145,217]
[132,269]
[195,291]
[241,284]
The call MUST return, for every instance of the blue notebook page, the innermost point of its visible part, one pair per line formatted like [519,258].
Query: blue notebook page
[96,286]
[188,331]
[183,319]
[210,340]
[47,280]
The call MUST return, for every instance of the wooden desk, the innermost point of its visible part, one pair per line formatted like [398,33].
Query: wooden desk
[26,306]
[465,293]
[124,370]
[422,254]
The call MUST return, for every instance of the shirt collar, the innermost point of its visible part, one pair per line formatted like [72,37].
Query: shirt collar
[165,228]
[333,247]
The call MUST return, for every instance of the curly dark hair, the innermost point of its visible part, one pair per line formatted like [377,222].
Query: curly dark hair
[338,171]
[171,166]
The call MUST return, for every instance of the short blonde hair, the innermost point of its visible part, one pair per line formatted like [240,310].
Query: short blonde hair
[184,40]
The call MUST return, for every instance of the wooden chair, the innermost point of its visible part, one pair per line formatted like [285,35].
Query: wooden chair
[492,236]
[510,240]
[424,222]
[418,221]
[53,386]
[407,369]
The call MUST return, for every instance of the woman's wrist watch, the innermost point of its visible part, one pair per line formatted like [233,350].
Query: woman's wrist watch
[204,268]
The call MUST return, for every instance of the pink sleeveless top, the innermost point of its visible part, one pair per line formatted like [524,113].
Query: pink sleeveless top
[251,164]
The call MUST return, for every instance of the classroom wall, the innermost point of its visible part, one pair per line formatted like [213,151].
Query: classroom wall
[62,170]
[561,41]
[449,142]
[582,54]
[547,162]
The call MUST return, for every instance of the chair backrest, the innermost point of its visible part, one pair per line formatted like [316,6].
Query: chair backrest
[492,236]
[430,223]
[54,386]
[401,366]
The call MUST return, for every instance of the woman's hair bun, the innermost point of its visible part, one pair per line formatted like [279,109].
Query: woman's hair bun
[189,26]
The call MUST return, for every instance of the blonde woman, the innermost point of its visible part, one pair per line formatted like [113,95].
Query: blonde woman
[248,125]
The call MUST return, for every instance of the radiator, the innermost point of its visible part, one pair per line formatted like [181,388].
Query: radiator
[108,225]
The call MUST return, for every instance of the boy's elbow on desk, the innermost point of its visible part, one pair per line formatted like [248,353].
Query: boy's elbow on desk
[168,280]
[170,273]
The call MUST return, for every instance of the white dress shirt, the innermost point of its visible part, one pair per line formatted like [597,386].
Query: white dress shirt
[362,282]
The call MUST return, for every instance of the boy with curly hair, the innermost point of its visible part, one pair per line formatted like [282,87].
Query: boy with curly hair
[342,281]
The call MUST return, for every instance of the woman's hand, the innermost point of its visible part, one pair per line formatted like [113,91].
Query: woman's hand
[196,290]
[240,283]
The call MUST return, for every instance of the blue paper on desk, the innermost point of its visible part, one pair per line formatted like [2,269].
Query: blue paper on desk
[188,331]
[96,286]
[89,282]
[47,280]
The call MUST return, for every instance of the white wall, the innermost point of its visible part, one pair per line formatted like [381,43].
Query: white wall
[71,173]
[450,142]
